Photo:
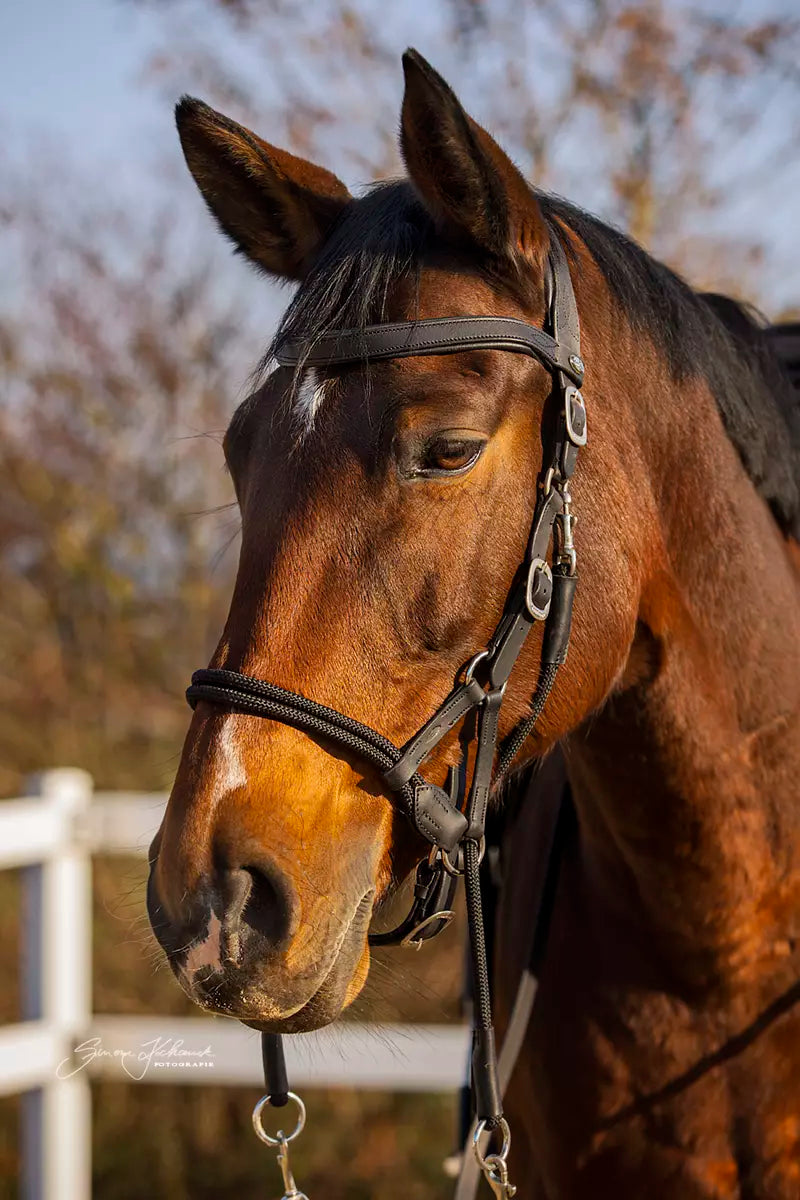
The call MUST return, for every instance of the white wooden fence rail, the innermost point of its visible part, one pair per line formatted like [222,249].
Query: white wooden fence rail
[60,1045]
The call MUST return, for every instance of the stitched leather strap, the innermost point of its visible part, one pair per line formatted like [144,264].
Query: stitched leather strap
[489,715]
[463,698]
[427,806]
[434,335]
[566,327]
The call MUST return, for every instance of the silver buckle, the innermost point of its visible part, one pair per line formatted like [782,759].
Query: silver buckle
[412,939]
[573,405]
[538,611]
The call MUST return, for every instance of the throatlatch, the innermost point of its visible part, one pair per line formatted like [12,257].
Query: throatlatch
[452,818]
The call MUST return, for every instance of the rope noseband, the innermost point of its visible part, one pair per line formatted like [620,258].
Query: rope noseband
[452,818]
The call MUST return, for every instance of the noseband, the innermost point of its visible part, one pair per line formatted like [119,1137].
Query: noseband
[452,818]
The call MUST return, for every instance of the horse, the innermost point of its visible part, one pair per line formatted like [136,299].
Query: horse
[385,507]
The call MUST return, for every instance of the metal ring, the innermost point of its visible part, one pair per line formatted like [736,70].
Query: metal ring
[440,855]
[266,1102]
[453,869]
[469,670]
[502,1154]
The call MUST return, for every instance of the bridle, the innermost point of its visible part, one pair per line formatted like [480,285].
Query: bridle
[452,819]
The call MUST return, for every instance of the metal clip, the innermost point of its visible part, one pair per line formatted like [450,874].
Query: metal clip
[292,1192]
[564,545]
[495,1172]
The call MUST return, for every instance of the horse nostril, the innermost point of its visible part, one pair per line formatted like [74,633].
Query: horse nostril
[258,900]
[236,888]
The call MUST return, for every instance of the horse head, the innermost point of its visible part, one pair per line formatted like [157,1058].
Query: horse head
[385,509]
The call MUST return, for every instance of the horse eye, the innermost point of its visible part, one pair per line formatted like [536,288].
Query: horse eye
[448,455]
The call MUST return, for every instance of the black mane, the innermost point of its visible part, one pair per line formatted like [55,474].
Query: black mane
[717,338]
[383,237]
[379,239]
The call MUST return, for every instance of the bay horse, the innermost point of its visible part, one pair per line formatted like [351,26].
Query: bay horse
[384,509]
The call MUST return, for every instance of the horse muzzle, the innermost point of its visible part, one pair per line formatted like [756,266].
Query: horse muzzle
[238,947]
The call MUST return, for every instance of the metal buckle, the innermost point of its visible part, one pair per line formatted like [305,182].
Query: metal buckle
[539,569]
[412,939]
[575,416]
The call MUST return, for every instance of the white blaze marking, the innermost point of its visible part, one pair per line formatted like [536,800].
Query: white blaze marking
[310,394]
[231,774]
[231,771]
[206,953]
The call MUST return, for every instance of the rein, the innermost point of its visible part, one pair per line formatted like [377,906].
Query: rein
[452,818]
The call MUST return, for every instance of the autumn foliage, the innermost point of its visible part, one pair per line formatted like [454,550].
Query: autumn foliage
[123,353]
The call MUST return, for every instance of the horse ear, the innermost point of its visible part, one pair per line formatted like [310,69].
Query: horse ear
[470,186]
[276,208]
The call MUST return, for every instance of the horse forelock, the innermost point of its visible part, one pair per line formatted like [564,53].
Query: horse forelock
[308,397]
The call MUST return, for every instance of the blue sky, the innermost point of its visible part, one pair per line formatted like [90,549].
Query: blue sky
[70,70]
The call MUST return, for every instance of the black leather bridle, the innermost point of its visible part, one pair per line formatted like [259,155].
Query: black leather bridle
[453,818]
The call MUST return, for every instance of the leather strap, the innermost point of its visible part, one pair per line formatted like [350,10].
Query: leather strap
[427,806]
[512,632]
[549,792]
[564,311]
[464,697]
[434,335]
[489,714]
[431,910]
[566,329]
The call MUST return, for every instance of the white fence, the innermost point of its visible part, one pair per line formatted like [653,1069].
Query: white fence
[61,1044]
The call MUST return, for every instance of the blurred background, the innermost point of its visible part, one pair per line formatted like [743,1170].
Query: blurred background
[127,334]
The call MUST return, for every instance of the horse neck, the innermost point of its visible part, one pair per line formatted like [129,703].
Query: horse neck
[685,783]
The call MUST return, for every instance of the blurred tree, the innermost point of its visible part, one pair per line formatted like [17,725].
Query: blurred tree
[659,115]
[118,357]
[121,347]
[119,370]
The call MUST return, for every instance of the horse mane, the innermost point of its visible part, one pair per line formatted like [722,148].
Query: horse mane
[714,337]
[384,236]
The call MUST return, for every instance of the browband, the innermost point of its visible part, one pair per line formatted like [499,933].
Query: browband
[432,335]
